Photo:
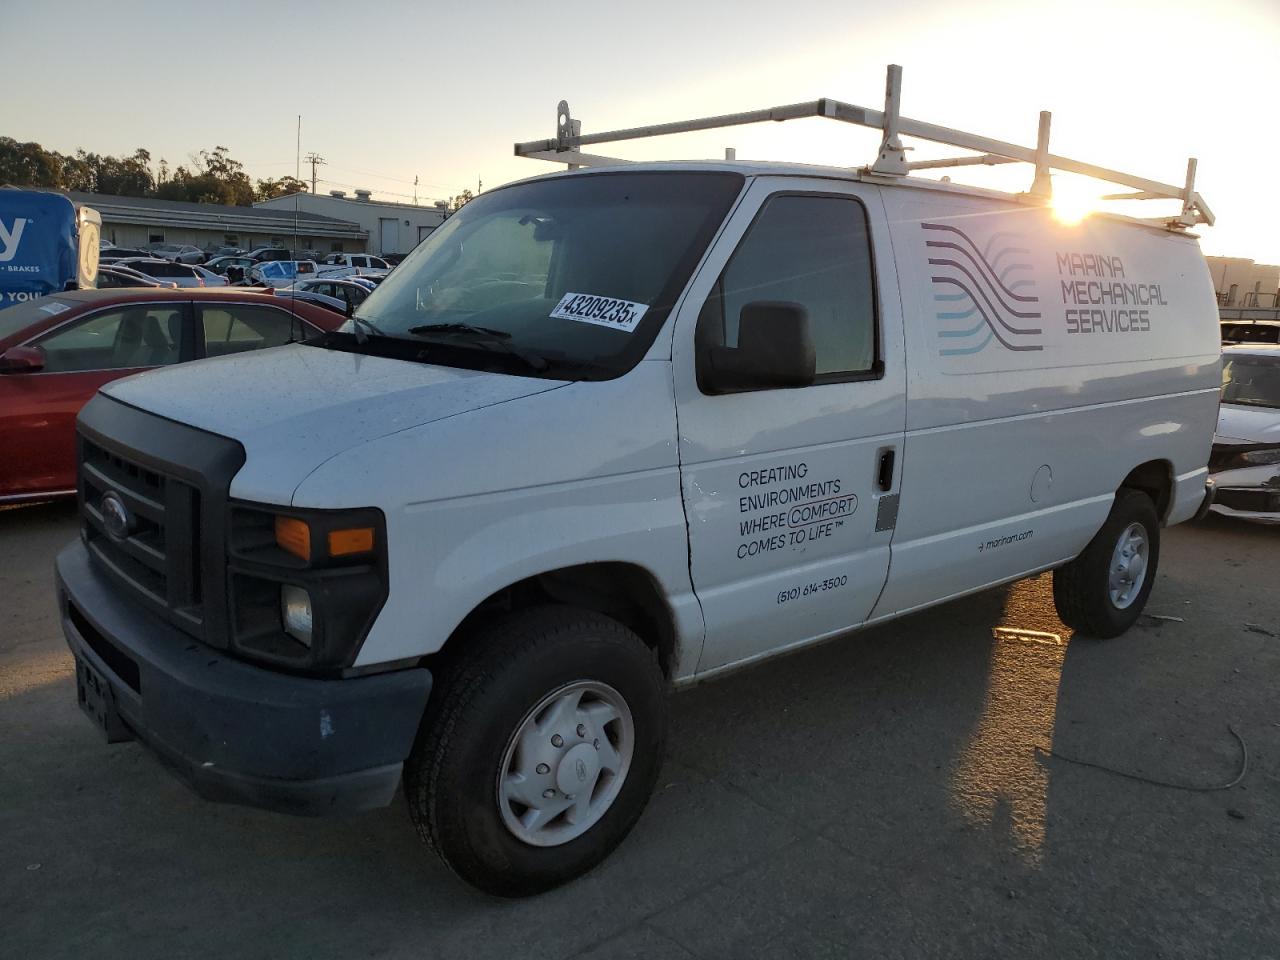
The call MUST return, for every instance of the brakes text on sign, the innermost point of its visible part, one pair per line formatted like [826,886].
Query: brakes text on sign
[603,311]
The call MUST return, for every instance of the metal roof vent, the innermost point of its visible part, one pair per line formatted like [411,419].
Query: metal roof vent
[338,193]
[364,194]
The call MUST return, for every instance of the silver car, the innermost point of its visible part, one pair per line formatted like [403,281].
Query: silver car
[1245,465]
[177,252]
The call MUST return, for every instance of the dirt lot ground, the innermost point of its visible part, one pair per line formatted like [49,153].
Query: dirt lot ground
[879,796]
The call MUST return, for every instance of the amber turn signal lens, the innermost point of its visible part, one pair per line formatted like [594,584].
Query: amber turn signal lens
[295,536]
[343,543]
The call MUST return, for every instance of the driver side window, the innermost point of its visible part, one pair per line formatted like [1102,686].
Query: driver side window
[814,251]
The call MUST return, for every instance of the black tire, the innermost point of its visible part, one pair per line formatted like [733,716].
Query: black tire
[1081,589]
[481,696]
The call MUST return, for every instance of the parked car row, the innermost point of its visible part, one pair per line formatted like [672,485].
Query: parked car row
[190,254]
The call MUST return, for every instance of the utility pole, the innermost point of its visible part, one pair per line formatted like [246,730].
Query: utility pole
[315,160]
[415,189]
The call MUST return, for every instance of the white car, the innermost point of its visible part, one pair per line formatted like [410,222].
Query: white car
[1246,450]
[349,292]
[178,252]
[617,430]
[179,274]
[210,278]
[347,264]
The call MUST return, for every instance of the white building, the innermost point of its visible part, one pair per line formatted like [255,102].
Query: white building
[391,227]
[1242,283]
[138,221]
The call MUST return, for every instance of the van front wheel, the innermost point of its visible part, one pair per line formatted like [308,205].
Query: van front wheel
[539,749]
[1102,592]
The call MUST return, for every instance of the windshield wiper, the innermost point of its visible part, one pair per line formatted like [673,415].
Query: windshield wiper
[483,338]
[458,328]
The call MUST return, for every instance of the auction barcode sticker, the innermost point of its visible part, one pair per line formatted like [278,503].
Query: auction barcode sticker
[604,311]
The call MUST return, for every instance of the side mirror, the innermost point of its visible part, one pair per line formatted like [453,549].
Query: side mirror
[22,360]
[775,349]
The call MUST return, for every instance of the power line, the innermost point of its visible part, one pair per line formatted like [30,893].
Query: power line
[382,176]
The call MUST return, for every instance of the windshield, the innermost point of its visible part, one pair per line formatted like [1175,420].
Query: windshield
[569,277]
[1251,381]
[17,318]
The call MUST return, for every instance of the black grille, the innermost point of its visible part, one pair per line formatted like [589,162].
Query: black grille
[158,553]
[174,482]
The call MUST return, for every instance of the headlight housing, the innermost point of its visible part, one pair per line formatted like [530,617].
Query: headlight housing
[304,585]
[295,611]
[1255,458]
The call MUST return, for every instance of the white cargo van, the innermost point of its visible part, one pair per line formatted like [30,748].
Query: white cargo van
[617,429]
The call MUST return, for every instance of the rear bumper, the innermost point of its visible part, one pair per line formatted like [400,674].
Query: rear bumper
[233,731]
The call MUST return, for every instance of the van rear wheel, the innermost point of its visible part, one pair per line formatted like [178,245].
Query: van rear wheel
[539,749]
[1103,591]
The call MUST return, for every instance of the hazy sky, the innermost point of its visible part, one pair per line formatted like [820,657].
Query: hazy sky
[392,90]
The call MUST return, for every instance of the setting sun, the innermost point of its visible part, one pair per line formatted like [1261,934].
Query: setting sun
[1073,201]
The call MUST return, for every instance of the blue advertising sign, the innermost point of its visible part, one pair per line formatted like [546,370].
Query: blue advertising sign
[38,245]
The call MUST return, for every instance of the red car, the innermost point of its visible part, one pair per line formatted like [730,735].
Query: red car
[57,351]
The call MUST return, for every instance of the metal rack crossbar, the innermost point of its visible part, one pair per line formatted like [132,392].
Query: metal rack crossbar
[566,147]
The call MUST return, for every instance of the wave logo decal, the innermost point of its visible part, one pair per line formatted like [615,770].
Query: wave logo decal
[978,292]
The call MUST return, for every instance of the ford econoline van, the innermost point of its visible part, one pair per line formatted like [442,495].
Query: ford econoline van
[614,430]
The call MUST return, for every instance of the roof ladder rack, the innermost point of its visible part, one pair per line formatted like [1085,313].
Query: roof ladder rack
[890,162]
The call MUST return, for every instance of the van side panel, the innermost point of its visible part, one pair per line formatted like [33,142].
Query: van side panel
[1045,362]
[481,500]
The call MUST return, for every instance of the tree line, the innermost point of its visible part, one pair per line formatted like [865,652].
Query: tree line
[210,176]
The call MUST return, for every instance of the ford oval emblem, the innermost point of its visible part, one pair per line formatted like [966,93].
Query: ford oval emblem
[115,515]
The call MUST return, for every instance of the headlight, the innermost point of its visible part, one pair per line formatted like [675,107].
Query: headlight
[306,585]
[1256,458]
[295,611]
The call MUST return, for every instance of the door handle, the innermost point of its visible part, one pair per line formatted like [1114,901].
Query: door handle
[884,473]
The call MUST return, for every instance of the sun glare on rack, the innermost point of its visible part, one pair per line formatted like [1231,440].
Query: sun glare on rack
[1072,202]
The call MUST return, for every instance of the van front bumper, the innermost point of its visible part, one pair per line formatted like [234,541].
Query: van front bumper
[233,731]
